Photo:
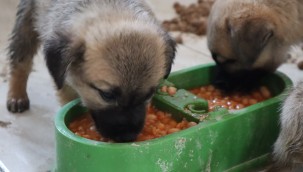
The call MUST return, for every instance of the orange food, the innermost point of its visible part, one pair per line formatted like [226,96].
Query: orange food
[157,124]
[84,126]
[216,97]
[169,90]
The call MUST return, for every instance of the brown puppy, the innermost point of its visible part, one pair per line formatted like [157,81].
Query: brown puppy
[252,37]
[248,38]
[111,54]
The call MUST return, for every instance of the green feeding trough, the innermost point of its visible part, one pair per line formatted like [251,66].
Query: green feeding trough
[232,141]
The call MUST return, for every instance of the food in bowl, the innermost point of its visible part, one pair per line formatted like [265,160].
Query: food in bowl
[169,90]
[231,101]
[157,124]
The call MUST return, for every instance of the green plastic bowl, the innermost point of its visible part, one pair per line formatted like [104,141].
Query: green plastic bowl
[226,141]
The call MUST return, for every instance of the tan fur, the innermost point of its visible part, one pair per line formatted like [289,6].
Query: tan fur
[231,22]
[91,31]
[98,65]
[66,94]
[111,54]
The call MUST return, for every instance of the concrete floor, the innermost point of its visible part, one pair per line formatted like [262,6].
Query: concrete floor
[27,141]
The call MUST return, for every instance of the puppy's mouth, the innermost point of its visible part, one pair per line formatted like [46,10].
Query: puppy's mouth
[120,124]
[242,80]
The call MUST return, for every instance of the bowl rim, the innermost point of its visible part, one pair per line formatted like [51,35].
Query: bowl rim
[62,128]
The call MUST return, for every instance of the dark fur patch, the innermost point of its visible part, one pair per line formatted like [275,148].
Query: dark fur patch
[170,53]
[59,55]
[24,39]
[242,81]
[254,36]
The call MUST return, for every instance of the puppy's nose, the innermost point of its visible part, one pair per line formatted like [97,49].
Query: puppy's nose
[223,60]
[219,59]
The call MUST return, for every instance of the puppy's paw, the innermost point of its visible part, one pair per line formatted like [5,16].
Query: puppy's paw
[17,104]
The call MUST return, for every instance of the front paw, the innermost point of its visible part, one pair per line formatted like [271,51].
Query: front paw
[17,104]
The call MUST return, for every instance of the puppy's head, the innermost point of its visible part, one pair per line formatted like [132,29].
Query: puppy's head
[246,38]
[115,72]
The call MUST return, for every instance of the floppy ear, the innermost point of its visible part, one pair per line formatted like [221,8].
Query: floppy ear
[60,52]
[258,32]
[249,37]
[254,35]
[170,53]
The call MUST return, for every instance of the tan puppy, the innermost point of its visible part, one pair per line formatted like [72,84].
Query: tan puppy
[111,54]
[248,38]
[251,37]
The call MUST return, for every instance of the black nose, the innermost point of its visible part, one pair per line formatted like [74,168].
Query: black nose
[120,124]
[242,80]
[220,60]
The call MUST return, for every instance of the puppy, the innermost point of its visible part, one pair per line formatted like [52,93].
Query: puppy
[111,54]
[249,38]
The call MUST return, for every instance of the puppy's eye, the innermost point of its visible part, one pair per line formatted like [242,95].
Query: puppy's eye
[107,96]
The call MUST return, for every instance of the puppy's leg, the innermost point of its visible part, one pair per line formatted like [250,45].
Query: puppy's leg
[66,94]
[288,149]
[23,46]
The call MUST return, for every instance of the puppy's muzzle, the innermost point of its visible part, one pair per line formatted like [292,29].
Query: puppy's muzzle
[121,124]
[241,80]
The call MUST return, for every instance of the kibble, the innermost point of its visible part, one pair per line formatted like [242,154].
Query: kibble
[190,19]
[169,90]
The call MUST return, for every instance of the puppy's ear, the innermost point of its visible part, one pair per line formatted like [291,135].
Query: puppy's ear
[250,36]
[60,52]
[170,52]
[256,32]
[259,31]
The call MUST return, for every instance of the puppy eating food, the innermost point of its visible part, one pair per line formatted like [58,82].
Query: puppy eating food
[111,54]
[251,38]
[247,39]
[157,124]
